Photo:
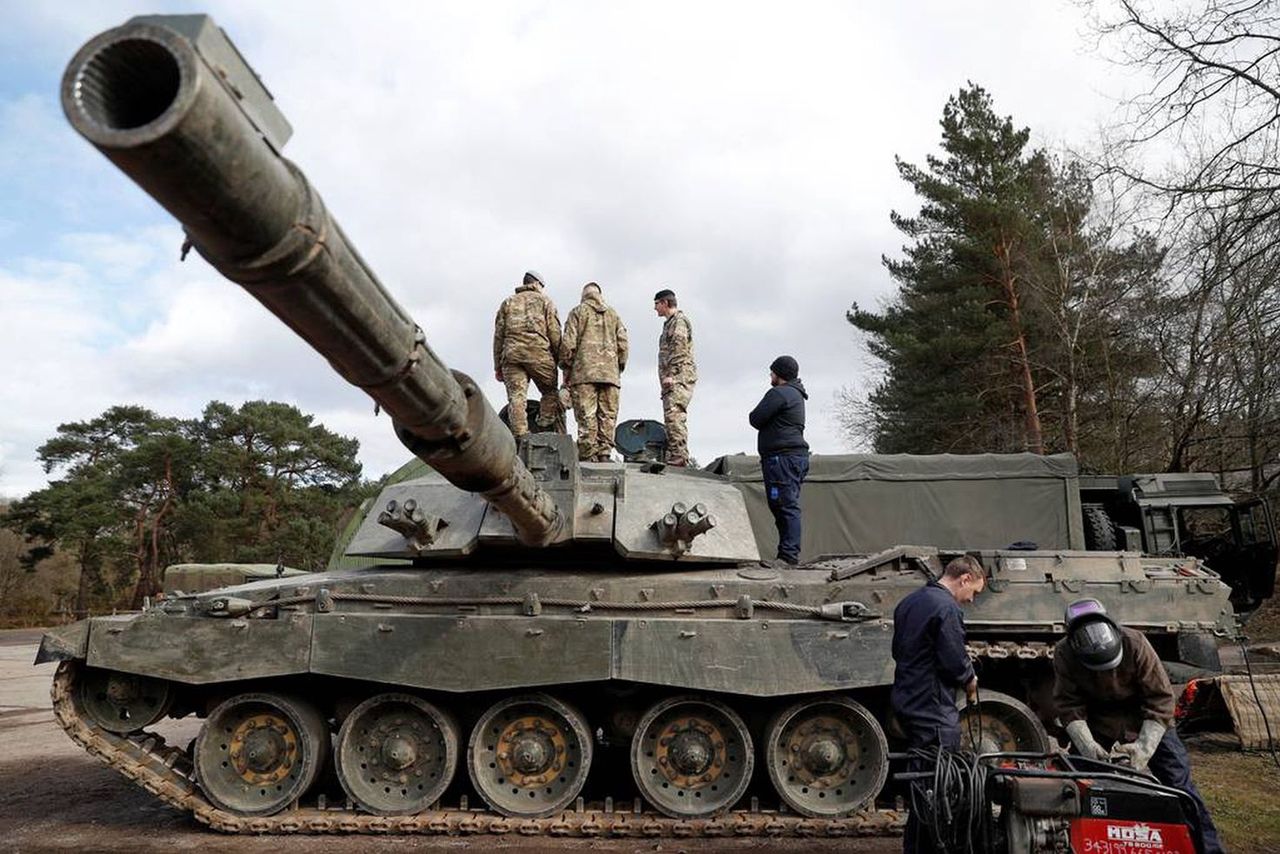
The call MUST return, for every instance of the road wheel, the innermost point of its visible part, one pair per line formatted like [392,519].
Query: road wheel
[396,754]
[1001,724]
[691,757]
[257,753]
[827,756]
[529,756]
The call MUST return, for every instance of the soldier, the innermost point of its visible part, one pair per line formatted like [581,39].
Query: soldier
[1116,702]
[930,663]
[676,374]
[593,353]
[526,346]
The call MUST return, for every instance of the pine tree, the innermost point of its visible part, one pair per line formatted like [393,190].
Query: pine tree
[956,342]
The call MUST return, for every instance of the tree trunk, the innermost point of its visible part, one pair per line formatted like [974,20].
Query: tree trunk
[149,570]
[82,585]
[1030,412]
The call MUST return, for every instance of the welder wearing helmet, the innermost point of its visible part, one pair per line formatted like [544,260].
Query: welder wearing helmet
[1115,700]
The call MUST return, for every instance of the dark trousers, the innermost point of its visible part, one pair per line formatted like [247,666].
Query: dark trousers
[914,839]
[782,478]
[1172,767]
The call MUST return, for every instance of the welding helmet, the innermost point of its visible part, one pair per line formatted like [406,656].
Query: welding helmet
[1093,636]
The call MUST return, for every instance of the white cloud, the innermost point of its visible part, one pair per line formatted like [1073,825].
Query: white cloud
[742,156]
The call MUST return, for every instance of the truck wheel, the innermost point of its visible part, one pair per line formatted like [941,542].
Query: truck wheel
[1099,532]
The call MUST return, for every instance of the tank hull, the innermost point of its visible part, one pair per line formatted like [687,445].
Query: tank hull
[751,639]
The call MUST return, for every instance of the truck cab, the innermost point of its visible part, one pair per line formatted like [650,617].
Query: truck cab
[1185,513]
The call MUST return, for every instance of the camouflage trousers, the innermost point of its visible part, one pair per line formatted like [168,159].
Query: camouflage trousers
[516,378]
[595,408]
[675,415]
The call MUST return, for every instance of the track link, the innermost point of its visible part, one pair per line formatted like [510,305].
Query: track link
[167,772]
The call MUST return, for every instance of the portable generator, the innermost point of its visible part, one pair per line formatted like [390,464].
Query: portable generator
[1046,803]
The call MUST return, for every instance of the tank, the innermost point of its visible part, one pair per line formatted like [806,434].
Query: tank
[533,644]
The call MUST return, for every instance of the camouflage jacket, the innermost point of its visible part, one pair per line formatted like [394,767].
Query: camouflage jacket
[527,329]
[594,346]
[675,350]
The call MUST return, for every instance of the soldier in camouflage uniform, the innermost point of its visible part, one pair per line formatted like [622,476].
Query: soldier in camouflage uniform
[593,353]
[676,374]
[526,346]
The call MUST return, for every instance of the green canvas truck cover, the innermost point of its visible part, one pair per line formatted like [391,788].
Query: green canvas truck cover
[862,503]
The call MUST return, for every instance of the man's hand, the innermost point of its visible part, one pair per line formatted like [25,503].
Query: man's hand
[497,375]
[1138,752]
[971,690]
[1123,754]
[1084,742]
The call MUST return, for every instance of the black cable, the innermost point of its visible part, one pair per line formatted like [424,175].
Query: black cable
[1248,669]
[950,804]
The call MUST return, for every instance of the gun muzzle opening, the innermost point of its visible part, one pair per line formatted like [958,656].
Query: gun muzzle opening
[127,83]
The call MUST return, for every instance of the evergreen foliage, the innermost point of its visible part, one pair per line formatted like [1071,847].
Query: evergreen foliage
[1002,334]
[138,491]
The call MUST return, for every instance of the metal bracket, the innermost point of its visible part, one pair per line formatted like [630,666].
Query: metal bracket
[847,612]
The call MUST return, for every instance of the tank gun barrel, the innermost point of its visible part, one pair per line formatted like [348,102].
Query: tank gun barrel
[170,102]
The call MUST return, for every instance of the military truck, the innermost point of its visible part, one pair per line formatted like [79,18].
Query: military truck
[1186,513]
[540,645]
[867,502]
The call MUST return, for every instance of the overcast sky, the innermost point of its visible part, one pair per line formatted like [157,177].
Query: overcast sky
[739,153]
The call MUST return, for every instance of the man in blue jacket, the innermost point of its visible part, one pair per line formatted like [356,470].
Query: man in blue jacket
[784,454]
[930,664]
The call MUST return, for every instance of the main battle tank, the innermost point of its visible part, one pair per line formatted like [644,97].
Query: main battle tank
[549,646]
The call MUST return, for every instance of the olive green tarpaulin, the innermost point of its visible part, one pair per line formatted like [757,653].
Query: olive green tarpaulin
[862,503]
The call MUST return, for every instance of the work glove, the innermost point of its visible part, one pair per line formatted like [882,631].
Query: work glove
[1084,742]
[1139,751]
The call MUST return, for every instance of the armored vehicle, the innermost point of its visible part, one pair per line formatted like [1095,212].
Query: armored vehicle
[538,645]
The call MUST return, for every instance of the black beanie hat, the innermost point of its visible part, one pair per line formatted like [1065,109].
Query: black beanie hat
[786,368]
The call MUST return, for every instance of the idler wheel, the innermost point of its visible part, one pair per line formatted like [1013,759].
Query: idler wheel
[1001,724]
[827,756]
[396,754]
[529,756]
[122,702]
[691,757]
[257,753]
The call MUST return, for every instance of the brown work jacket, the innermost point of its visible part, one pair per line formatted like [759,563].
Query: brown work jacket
[1113,702]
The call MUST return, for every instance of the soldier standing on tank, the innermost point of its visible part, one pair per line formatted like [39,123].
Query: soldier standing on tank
[930,664]
[784,454]
[1116,702]
[593,353]
[677,374]
[526,346]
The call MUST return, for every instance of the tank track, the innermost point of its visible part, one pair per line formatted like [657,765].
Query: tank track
[167,773]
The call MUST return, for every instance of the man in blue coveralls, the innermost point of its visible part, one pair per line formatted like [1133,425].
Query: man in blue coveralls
[930,664]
